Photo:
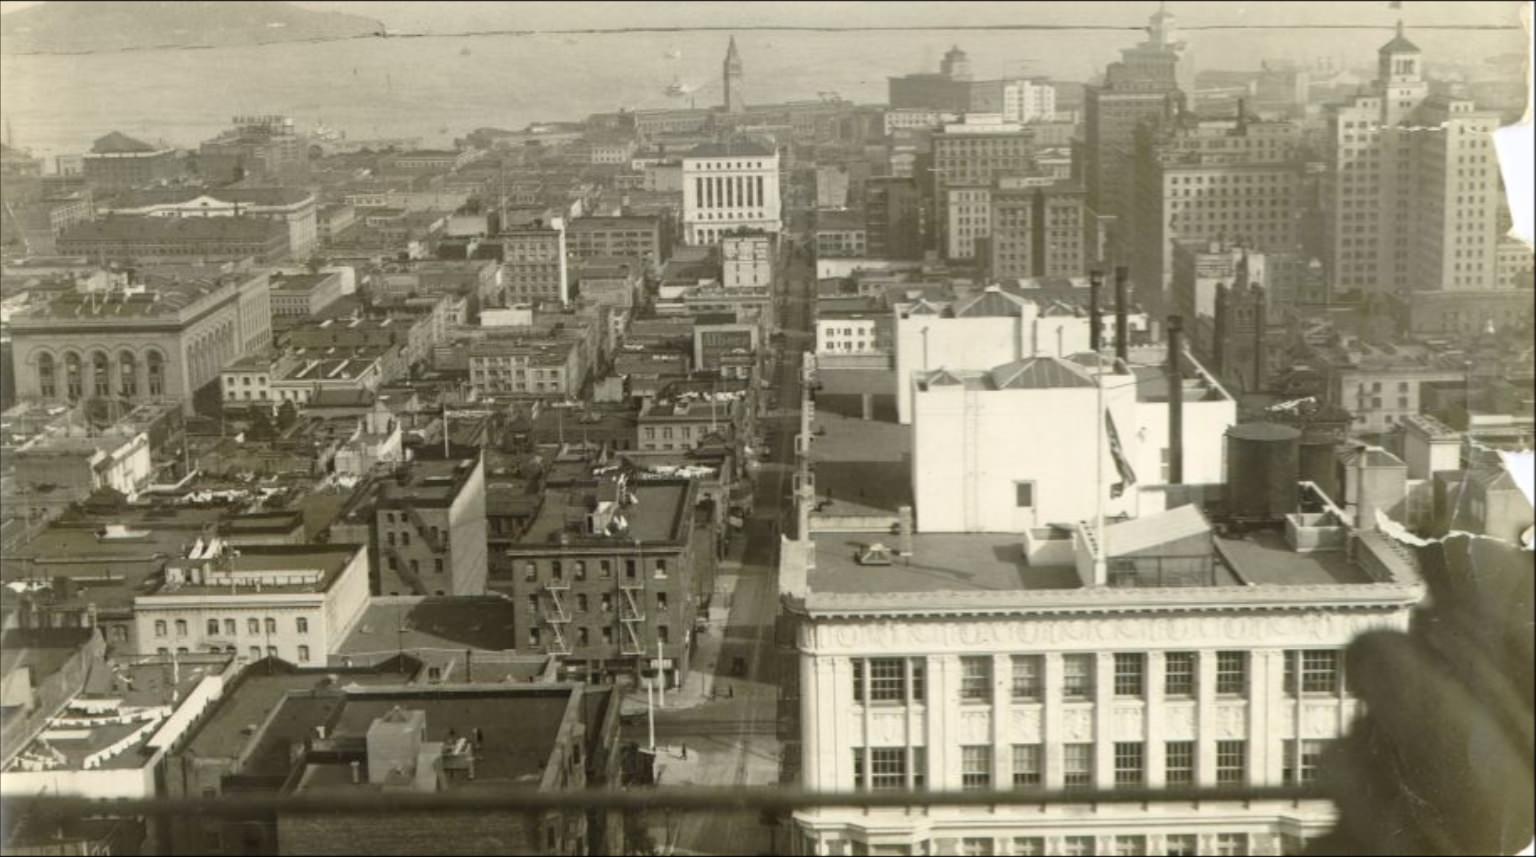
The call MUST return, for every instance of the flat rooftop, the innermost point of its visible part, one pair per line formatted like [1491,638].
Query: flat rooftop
[656,516]
[1262,557]
[432,623]
[520,727]
[940,562]
[864,466]
[329,560]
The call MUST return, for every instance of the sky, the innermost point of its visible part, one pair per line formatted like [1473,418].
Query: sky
[441,16]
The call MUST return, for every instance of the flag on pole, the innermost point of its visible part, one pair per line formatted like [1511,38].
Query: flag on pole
[1122,465]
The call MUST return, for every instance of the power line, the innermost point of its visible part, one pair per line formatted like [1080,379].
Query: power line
[851,28]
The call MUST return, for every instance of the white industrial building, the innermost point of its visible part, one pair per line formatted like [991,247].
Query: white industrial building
[1013,447]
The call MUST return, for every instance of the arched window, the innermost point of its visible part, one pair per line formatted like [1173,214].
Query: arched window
[154,363]
[73,384]
[47,378]
[101,375]
[128,375]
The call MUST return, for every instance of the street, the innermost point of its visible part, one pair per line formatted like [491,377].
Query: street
[742,732]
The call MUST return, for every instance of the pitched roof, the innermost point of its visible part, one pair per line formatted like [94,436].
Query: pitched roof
[118,142]
[992,302]
[1399,44]
[943,377]
[1039,373]
[1149,531]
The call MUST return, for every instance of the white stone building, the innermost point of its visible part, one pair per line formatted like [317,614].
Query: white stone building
[970,664]
[727,187]
[295,602]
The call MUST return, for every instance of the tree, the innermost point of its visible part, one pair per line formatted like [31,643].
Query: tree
[261,425]
[287,415]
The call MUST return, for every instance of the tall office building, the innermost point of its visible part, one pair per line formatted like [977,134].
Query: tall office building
[968,158]
[1208,180]
[1142,88]
[1411,199]
[727,187]
[1037,229]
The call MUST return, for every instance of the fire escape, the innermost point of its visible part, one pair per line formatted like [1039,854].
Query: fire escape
[556,616]
[630,617]
[402,567]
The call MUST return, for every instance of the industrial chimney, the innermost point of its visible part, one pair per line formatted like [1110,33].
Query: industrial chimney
[1175,400]
[1260,321]
[1219,335]
[1122,308]
[1095,284]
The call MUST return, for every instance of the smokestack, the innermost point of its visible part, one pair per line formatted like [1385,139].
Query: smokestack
[1219,336]
[904,523]
[1122,308]
[1175,400]
[1095,284]
[1259,323]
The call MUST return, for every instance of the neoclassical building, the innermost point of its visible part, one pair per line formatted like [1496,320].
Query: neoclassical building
[163,337]
[981,661]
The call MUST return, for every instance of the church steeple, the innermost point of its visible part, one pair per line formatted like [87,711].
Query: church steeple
[733,75]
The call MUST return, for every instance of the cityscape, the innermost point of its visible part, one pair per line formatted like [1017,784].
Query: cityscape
[1119,445]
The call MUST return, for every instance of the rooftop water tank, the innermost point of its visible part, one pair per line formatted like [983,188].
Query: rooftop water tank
[1262,468]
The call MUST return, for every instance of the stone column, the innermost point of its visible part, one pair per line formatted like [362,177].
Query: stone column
[1002,721]
[1050,728]
[1154,756]
[1205,721]
[1103,718]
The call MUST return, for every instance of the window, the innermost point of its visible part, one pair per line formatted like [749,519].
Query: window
[976,846]
[1026,677]
[976,767]
[887,680]
[271,625]
[629,569]
[255,653]
[1179,675]
[661,568]
[605,568]
[556,570]
[1180,844]
[303,654]
[159,627]
[1077,766]
[858,768]
[1231,763]
[663,634]
[919,680]
[581,570]
[1232,673]
[302,625]
[437,565]
[230,627]
[1129,770]
[1077,676]
[1180,763]
[888,768]
[1232,843]
[1029,846]
[1311,752]
[1131,845]
[533,636]
[1130,674]
[858,679]
[582,636]
[1319,671]
[1026,765]
[181,627]
[530,571]
[271,651]
[1077,846]
[976,679]
[1024,495]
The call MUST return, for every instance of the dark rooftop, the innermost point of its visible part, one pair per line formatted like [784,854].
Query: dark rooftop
[941,562]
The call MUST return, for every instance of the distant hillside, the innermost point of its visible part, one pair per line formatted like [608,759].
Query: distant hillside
[66,26]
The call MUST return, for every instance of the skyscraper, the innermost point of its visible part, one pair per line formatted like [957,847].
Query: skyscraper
[1412,196]
[734,102]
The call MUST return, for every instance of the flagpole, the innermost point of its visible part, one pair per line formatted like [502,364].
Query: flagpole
[1100,560]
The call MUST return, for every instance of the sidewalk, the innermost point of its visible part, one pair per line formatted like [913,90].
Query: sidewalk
[698,685]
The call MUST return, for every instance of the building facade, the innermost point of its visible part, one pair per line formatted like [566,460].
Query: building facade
[162,338]
[429,529]
[533,262]
[728,187]
[1037,229]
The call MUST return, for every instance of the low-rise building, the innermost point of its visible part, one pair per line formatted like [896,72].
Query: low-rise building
[716,343]
[526,364]
[841,234]
[689,421]
[294,208]
[633,237]
[304,295]
[608,573]
[295,602]
[428,528]
[120,161]
[176,240]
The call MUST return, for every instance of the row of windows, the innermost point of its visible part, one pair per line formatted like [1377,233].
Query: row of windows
[255,652]
[887,679]
[230,627]
[584,635]
[578,569]
[605,602]
[890,768]
[1132,844]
